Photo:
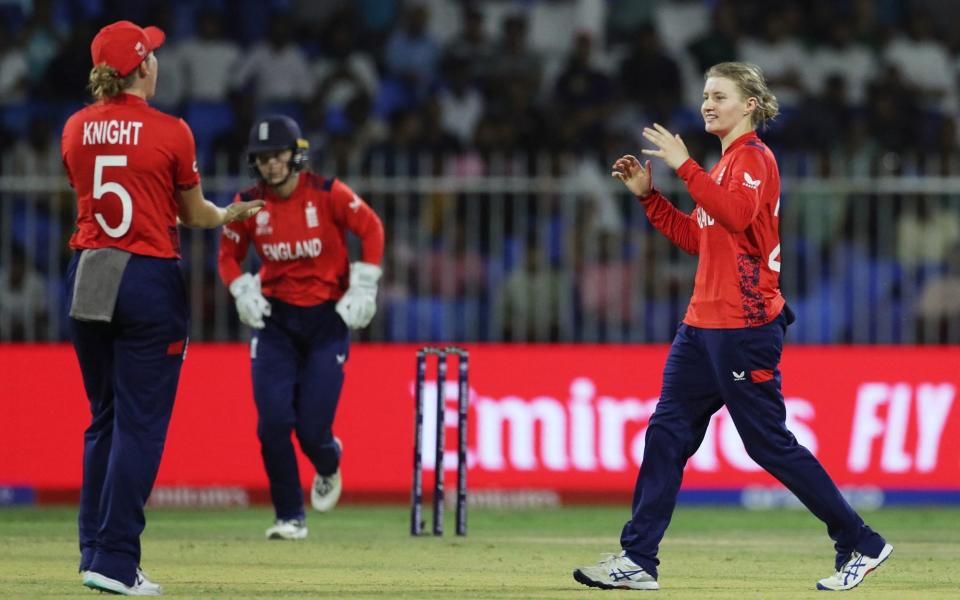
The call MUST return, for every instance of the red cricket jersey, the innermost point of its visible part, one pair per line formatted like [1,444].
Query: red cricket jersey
[126,161]
[735,230]
[301,240]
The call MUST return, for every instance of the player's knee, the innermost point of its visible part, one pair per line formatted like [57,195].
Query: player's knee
[272,428]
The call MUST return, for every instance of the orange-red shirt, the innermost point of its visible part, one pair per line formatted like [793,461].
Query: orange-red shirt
[734,230]
[126,162]
[301,240]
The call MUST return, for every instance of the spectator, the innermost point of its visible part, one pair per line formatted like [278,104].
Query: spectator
[841,55]
[926,232]
[14,71]
[343,71]
[456,270]
[276,70]
[924,63]
[434,138]
[888,99]
[69,70]
[820,122]
[532,299]
[471,46]
[523,125]
[461,103]
[23,300]
[170,95]
[719,43]
[583,94]
[625,17]
[779,54]
[41,41]
[362,131]
[646,62]
[412,55]
[208,60]
[232,144]
[512,61]
[37,154]
[606,287]
[937,311]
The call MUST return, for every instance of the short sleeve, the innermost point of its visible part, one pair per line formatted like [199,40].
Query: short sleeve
[187,173]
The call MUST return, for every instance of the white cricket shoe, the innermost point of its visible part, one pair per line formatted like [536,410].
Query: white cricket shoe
[857,567]
[141,585]
[616,571]
[325,491]
[290,529]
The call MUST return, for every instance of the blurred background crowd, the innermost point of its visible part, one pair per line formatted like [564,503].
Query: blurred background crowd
[481,132]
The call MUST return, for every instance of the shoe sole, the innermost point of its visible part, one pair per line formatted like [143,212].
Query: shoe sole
[582,578]
[883,558]
[277,536]
[98,582]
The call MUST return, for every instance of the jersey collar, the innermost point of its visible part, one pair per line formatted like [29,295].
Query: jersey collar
[743,139]
[125,98]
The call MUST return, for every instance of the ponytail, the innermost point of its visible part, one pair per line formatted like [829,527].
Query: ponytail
[104,82]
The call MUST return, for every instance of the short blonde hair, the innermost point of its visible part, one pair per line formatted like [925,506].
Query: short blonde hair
[750,81]
[104,82]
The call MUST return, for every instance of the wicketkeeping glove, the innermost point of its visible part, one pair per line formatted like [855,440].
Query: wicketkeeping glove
[251,305]
[359,302]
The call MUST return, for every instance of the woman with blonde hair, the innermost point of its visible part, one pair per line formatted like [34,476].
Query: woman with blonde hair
[727,350]
[135,174]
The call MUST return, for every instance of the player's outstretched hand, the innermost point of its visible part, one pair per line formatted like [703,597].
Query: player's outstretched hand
[669,145]
[638,178]
[238,211]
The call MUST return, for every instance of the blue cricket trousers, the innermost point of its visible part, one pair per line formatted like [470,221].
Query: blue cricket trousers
[707,369]
[297,361]
[130,370]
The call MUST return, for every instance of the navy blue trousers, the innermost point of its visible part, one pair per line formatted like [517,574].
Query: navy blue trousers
[707,369]
[130,369]
[297,362]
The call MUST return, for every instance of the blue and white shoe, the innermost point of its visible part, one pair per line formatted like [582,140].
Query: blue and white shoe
[852,572]
[141,585]
[616,571]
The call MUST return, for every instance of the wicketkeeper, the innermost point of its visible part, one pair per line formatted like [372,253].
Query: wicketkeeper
[300,304]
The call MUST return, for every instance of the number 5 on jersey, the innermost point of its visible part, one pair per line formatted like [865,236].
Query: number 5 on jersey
[112,187]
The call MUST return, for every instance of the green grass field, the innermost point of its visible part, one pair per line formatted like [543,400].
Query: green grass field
[365,551]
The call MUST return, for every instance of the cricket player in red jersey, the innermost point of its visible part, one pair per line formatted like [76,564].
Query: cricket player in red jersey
[300,305]
[727,350]
[134,171]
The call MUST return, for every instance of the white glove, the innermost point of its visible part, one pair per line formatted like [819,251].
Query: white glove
[359,303]
[251,305]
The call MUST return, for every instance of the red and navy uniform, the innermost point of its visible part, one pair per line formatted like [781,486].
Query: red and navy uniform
[734,230]
[301,240]
[298,357]
[126,160]
[727,352]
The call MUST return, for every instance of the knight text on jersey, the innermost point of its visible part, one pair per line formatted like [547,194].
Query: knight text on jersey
[111,132]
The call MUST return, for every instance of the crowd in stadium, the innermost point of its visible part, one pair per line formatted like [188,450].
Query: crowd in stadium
[373,75]
[865,85]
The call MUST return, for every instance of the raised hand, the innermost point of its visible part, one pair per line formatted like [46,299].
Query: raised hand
[638,178]
[669,146]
